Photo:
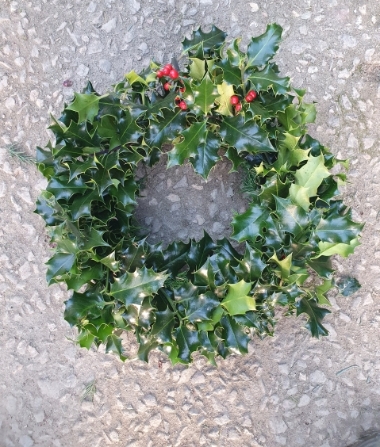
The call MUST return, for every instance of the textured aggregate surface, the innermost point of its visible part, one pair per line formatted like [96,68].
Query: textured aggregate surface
[290,390]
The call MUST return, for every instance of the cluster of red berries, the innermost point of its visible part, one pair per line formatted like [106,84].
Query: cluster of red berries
[249,97]
[169,71]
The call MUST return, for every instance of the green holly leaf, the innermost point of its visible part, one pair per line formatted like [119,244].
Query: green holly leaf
[245,136]
[83,305]
[199,252]
[87,106]
[268,79]
[231,72]
[110,262]
[292,218]
[237,300]
[251,266]
[128,130]
[141,316]
[307,180]
[58,265]
[172,259]
[114,345]
[197,68]
[94,238]
[163,327]
[252,223]
[284,265]
[223,101]
[132,288]
[85,339]
[347,285]
[256,109]
[166,129]
[81,206]
[339,229]
[207,154]
[206,41]
[158,104]
[188,147]
[205,94]
[322,265]
[321,291]
[337,248]
[47,208]
[188,342]
[62,188]
[132,77]
[146,345]
[236,340]
[80,167]
[262,48]
[197,307]
[92,272]
[315,315]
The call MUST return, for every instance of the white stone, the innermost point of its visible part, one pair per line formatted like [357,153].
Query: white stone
[173,198]
[222,420]
[278,426]
[150,400]
[155,420]
[198,378]
[95,47]
[82,70]
[254,7]
[305,400]
[105,65]
[352,141]
[368,54]
[10,103]
[317,377]
[109,26]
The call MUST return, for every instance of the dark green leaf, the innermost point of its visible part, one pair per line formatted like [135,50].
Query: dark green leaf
[262,48]
[82,305]
[207,155]
[132,288]
[188,342]
[235,337]
[315,315]
[231,73]
[58,265]
[205,94]
[347,285]
[207,41]
[87,106]
[163,327]
[166,129]
[245,136]
[268,79]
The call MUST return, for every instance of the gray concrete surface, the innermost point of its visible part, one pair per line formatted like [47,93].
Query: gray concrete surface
[290,390]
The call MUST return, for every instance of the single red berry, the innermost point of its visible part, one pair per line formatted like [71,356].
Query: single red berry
[159,74]
[166,70]
[234,100]
[238,107]
[182,89]
[174,74]
[170,66]
[167,86]
[182,105]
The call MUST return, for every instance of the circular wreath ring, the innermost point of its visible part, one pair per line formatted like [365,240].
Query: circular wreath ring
[201,295]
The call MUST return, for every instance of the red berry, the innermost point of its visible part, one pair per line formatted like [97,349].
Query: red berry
[238,107]
[166,70]
[174,73]
[251,96]
[159,74]
[182,105]
[177,100]
[167,86]
[182,89]
[234,100]
[170,66]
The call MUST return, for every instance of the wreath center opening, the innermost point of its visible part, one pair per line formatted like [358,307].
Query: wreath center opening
[178,204]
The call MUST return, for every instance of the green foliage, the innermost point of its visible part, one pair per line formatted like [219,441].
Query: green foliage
[201,296]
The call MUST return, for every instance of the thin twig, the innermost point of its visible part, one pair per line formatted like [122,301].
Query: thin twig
[15,152]
[346,369]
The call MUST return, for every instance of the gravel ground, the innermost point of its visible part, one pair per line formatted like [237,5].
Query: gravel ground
[291,390]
